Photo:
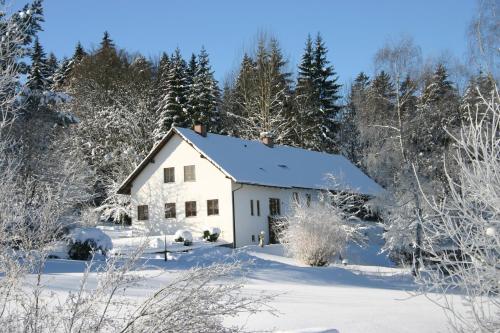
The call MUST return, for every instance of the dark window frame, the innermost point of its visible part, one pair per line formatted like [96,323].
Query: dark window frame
[189,211]
[274,207]
[251,208]
[258,208]
[170,212]
[308,200]
[214,210]
[169,175]
[190,176]
[142,212]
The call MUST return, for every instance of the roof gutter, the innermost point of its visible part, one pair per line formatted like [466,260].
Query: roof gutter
[234,216]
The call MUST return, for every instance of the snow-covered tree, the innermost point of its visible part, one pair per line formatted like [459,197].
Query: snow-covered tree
[463,248]
[171,109]
[204,95]
[349,134]
[316,96]
[39,74]
[262,94]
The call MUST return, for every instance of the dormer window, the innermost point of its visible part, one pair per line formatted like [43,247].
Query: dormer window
[189,173]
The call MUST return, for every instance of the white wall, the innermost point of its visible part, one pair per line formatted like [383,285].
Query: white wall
[149,189]
[248,225]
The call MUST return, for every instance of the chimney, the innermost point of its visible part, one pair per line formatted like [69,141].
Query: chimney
[201,129]
[267,139]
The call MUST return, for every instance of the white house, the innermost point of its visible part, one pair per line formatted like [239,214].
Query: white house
[193,179]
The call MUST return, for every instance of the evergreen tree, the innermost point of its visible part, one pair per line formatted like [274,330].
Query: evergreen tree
[439,113]
[191,69]
[79,52]
[171,109]
[204,94]
[480,85]
[67,67]
[350,141]
[317,93]
[52,67]
[38,78]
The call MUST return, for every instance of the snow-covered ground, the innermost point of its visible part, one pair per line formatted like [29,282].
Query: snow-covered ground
[358,297]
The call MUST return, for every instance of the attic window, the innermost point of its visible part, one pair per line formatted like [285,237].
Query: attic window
[283,166]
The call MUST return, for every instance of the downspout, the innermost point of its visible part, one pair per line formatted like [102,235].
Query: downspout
[234,217]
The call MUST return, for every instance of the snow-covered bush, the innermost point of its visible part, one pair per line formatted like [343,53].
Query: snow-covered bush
[83,241]
[314,234]
[183,236]
[211,234]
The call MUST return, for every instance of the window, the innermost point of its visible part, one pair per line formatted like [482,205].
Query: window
[251,207]
[169,175]
[170,210]
[213,207]
[274,206]
[258,208]
[295,197]
[190,208]
[189,173]
[308,200]
[253,238]
[142,212]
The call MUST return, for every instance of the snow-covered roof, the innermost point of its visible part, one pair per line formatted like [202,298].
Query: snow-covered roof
[252,162]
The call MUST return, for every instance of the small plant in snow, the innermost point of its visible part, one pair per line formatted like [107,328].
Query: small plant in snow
[183,236]
[211,234]
[84,241]
[314,234]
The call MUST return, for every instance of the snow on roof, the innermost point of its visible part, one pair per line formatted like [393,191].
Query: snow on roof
[252,162]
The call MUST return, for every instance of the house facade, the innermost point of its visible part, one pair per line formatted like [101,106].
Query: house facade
[194,180]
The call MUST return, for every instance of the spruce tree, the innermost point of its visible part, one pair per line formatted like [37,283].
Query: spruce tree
[317,94]
[328,95]
[350,141]
[52,67]
[439,114]
[38,76]
[171,109]
[204,94]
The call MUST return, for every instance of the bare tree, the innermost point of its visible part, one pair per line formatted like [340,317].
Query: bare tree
[464,247]
[484,38]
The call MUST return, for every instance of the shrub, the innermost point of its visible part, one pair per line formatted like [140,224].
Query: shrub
[183,236]
[83,241]
[211,234]
[81,251]
[315,234]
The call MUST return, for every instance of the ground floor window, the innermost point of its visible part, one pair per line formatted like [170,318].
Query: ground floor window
[142,212]
[190,208]
[170,210]
[274,206]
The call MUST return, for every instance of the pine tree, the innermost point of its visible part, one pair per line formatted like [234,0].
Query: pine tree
[317,93]
[171,109]
[204,94]
[52,67]
[67,67]
[350,141]
[439,113]
[39,76]
[191,69]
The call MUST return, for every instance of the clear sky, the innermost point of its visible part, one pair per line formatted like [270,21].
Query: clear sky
[353,30]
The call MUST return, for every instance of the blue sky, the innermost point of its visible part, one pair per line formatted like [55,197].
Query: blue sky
[353,30]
